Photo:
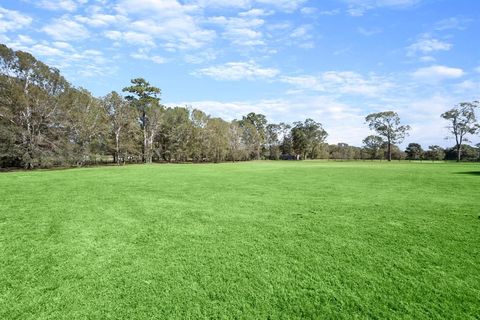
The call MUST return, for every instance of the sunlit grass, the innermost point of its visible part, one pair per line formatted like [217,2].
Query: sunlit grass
[246,240]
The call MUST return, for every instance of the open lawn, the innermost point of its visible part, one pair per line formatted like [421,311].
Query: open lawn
[280,240]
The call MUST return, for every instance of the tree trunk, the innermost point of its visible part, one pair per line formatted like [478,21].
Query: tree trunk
[117,149]
[144,125]
[459,152]
[389,151]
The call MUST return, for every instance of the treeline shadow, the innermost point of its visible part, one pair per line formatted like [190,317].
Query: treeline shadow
[471,173]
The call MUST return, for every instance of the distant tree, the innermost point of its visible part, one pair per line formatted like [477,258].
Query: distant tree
[218,142]
[237,150]
[86,121]
[273,133]
[286,145]
[342,151]
[435,153]
[469,153]
[198,139]
[32,108]
[177,134]
[373,145]
[156,118]
[387,124]
[462,123]
[307,137]
[397,153]
[254,130]
[144,97]
[123,126]
[414,151]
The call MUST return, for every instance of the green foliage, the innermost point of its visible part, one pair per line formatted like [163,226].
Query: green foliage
[147,102]
[254,132]
[463,122]
[435,153]
[414,151]
[307,137]
[257,240]
[373,145]
[387,125]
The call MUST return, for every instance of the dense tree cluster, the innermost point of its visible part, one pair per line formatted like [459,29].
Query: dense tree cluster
[45,122]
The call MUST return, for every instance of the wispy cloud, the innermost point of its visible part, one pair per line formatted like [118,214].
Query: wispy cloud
[241,31]
[341,82]
[452,23]
[359,7]
[60,5]
[438,73]
[66,29]
[11,20]
[234,71]
[426,44]
[144,55]
[369,31]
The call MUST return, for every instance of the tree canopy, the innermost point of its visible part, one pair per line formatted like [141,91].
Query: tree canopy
[387,125]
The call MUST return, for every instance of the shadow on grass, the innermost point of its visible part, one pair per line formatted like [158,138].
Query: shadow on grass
[472,173]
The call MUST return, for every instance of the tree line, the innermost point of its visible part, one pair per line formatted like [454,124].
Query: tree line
[46,122]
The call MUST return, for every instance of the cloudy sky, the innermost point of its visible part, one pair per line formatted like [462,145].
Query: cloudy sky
[332,60]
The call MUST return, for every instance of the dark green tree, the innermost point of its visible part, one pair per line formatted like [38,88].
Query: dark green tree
[414,151]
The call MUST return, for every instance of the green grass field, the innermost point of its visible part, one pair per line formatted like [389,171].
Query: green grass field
[279,240]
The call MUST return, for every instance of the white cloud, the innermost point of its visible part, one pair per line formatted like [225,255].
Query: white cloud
[255,13]
[64,56]
[234,71]
[283,5]
[97,20]
[457,23]
[305,82]
[468,86]
[427,59]
[25,39]
[201,57]
[300,32]
[287,34]
[59,5]
[477,69]
[341,82]
[241,31]
[45,50]
[11,20]
[308,10]
[65,29]
[167,20]
[359,7]
[144,56]
[368,31]
[131,38]
[333,12]
[427,45]
[438,72]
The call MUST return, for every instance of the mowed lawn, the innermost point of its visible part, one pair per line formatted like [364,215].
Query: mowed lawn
[258,240]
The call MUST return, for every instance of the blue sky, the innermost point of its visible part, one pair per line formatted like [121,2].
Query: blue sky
[332,60]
